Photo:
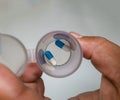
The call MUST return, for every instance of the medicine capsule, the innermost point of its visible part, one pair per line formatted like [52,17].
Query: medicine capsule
[50,58]
[62,45]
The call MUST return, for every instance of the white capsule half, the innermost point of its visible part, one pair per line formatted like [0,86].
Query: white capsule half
[62,45]
[53,61]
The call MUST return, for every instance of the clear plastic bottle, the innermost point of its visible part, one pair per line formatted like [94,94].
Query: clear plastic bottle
[68,59]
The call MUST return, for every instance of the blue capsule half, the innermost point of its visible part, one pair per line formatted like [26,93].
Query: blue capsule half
[49,55]
[59,43]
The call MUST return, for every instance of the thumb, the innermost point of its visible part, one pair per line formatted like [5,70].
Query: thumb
[88,43]
[104,55]
[10,85]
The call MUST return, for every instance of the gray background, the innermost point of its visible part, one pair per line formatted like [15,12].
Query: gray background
[29,20]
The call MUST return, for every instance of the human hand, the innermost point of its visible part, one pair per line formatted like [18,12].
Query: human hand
[29,87]
[105,56]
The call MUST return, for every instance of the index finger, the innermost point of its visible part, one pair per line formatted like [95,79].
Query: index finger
[32,73]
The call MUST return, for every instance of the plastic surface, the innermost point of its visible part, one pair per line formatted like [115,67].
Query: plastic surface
[13,54]
[67,61]
[58,54]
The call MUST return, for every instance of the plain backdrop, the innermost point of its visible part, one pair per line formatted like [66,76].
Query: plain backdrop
[29,20]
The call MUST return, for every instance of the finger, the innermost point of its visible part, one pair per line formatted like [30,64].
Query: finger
[94,95]
[104,55]
[88,43]
[108,90]
[37,86]
[32,73]
[10,85]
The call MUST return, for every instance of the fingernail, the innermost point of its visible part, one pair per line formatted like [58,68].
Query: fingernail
[76,35]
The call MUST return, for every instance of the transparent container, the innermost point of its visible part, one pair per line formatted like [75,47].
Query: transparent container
[66,54]
[57,53]
[13,54]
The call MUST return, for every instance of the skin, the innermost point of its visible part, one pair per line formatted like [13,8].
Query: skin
[104,55]
[28,87]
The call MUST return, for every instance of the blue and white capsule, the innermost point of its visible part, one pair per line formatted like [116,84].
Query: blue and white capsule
[62,45]
[50,58]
